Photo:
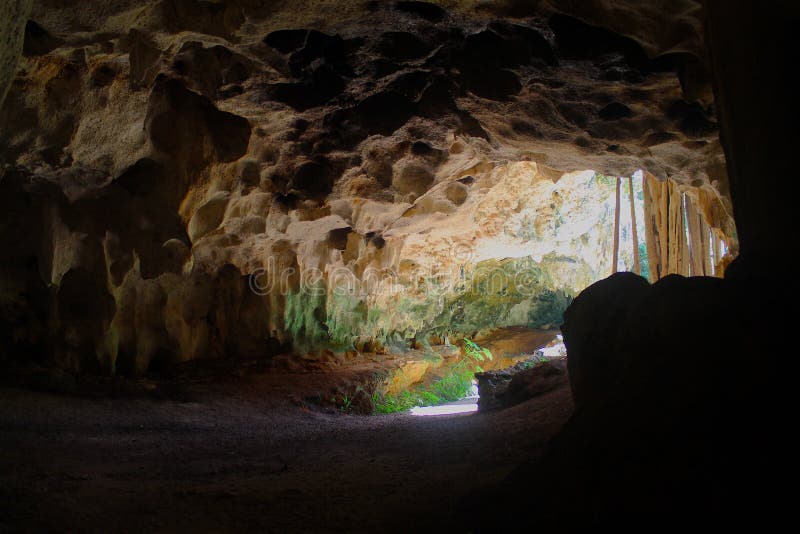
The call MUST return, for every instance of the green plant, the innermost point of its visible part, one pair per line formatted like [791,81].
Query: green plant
[534,361]
[476,352]
[346,404]
[384,404]
[451,387]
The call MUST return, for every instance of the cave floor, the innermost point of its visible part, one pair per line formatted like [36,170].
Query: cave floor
[245,455]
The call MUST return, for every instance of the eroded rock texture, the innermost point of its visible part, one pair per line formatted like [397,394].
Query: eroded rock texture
[189,179]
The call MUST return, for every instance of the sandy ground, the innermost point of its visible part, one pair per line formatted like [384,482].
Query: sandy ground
[242,456]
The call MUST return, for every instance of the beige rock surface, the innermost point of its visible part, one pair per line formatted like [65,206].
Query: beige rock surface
[230,178]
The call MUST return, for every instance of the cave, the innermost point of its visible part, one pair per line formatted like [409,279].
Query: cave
[246,245]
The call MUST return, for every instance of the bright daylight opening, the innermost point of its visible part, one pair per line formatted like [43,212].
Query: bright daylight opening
[485,293]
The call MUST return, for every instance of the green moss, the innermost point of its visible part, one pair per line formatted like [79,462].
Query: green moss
[496,293]
[547,308]
[305,316]
[345,313]
[507,292]
[400,324]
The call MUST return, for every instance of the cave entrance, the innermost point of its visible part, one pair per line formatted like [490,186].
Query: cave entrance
[483,289]
[468,404]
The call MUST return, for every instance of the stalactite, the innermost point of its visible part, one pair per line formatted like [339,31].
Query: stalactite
[615,262]
[685,229]
[717,255]
[675,229]
[689,250]
[695,220]
[651,217]
[684,258]
[663,228]
[634,234]
[706,241]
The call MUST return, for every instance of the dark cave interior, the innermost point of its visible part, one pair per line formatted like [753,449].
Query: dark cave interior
[245,243]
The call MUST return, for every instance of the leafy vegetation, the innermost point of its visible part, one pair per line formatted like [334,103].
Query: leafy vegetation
[453,386]
[534,361]
[475,352]
[346,403]
[394,403]
[603,179]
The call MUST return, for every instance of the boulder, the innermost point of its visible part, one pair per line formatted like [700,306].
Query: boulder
[592,324]
[526,380]
[688,427]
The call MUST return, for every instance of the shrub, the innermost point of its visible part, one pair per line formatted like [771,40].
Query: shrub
[453,386]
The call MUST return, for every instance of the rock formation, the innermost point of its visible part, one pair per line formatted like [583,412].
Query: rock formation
[686,426]
[502,388]
[189,179]
[593,324]
[192,179]
[14,15]
[670,422]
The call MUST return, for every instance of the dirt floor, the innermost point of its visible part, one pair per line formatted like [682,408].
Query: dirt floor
[244,455]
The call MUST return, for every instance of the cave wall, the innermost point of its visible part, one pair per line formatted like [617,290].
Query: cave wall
[681,398]
[13,16]
[164,163]
[751,50]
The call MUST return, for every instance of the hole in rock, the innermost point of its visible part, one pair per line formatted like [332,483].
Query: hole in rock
[478,272]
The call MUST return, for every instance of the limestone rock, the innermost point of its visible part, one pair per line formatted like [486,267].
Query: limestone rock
[593,323]
[208,216]
[670,421]
[334,176]
[526,380]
